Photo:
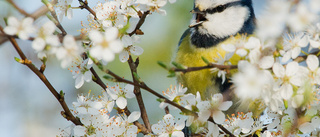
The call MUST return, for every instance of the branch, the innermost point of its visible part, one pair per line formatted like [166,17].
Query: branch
[60,97]
[84,5]
[98,81]
[54,15]
[133,67]
[209,66]
[18,8]
[141,21]
[221,127]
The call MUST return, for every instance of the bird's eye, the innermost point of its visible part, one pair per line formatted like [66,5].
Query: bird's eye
[221,8]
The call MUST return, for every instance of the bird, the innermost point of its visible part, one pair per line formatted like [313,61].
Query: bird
[214,23]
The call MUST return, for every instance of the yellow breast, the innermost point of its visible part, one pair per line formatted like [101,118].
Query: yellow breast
[203,81]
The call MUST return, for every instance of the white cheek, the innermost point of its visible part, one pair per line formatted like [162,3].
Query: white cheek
[226,23]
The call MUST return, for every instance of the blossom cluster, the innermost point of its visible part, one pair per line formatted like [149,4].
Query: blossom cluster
[279,78]
[277,81]
[109,34]
[272,77]
[94,114]
[286,14]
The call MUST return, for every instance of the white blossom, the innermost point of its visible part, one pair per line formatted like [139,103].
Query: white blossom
[213,108]
[221,61]
[130,130]
[87,106]
[94,125]
[308,127]
[167,127]
[292,45]
[81,72]
[250,82]
[65,9]
[154,5]
[288,75]
[69,51]
[213,130]
[271,23]
[129,48]
[41,44]
[241,124]
[313,65]
[105,45]
[21,28]
[172,93]
[107,102]
[120,94]
[301,18]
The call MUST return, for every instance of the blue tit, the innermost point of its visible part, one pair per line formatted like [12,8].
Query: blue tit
[214,23]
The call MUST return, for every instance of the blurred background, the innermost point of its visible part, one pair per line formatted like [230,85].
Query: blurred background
[28,109]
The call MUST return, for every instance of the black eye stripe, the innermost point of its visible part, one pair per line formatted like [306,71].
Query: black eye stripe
[221,8]
[218,9]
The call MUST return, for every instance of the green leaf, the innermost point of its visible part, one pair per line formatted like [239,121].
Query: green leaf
[44,60]
[108,78]
[18,60]
[162,64]
[205,60]
[160,100]
[125,28]
[177,65]
[61,93]
[172,74]
[285,104]
[5,21]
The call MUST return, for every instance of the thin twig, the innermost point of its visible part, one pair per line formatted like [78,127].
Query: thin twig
[60,97]
[55,18]
[166,110]
[39,12]
[133,67]
[18,8]
[141,21]
[84,5]
[209,66]
[222,127]
[98,81]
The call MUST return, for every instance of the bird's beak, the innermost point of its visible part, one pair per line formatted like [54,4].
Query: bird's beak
[200,17]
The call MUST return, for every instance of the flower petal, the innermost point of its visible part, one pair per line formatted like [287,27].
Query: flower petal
[95,36]
[79,82]
[292,68]
[286,91]
[224,106]
[229,48]
[124,56]
[278,70]
[266,62]
[177,134]
[136,50]
[121,102]
[134,116]
[168,120]
[312,62]
[218,117]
